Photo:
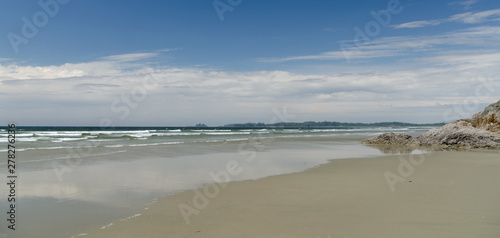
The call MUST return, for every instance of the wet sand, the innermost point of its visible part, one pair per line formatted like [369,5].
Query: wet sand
[102,185]
[443,194]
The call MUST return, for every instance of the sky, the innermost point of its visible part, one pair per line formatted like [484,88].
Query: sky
[182,62]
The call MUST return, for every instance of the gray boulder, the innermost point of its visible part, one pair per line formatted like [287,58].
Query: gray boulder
[488,119]
[391,138]
[460,133]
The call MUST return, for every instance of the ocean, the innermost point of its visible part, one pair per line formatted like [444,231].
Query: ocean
[34,138]
[72,179]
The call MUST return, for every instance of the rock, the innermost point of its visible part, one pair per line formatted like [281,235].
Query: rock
[491,110]
[391,138]
[488,119]
[460,133]
[481,131]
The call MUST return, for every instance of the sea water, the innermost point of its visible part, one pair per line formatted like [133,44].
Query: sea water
[74,179]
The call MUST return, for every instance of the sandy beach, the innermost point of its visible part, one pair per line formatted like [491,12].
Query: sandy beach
[441,194]
[250,119]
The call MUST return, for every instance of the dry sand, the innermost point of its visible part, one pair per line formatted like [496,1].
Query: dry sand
[451,194]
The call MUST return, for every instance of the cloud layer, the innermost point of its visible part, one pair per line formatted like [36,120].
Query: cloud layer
[467,18]
[95,90]
[433,74]
[486,37]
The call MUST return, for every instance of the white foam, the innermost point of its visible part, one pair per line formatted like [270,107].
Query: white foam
[290,131]
[177,130]
[68,139]
[130,217]
[213,130]
[227,133]
[20,135]
[42,148]
[114,146]
[152,144]
[23,139]
[104,227]
[83,234]
[241,139]
[327,130]
[178,134]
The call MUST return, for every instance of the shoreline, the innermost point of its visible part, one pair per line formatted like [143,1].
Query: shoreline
[293,202]
[123,183]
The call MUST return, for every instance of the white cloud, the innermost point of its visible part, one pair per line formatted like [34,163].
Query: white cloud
[417,24]
[481,37]
[467,18]
[82,93]
[336,55]
[130,57]
[467,4]
[466,60]
[30,72]
[477,17]
[435,70]
[136,56]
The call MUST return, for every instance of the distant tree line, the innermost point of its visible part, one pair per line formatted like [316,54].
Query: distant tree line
[326,124]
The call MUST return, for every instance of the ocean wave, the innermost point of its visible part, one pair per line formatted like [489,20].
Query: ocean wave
[177,134]
[68,139]
[289,131]
[227,133]
[26,139]
[18,135]
[117,137]
[153,144]
[260,132]
[114,146]
[216,130]
[122,138]
[41,148]
[239,139]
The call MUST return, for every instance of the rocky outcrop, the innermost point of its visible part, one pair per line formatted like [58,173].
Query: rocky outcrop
[391,138]
[393,143]
[481,131]
[461,133]
[488,119]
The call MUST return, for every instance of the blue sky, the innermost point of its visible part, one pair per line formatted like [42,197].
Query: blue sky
[180,62]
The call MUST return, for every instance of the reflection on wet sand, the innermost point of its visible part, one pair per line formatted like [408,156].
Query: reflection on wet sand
[110,186]
[395,149]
